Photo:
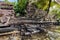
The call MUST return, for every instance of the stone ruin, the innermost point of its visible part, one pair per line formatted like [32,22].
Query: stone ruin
[39,14]
[6,12]
[27,29]
[35,13]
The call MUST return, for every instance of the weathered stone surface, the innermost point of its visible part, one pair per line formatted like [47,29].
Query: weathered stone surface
[5,12]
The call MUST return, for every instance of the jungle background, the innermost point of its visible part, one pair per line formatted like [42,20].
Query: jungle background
[51,6]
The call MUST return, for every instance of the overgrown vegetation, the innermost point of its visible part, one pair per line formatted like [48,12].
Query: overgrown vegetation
[20,7]
[55,10]
[42,4]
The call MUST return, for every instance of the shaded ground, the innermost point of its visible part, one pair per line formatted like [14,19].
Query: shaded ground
[51,35]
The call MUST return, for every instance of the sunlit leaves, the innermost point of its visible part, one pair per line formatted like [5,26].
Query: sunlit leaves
[56,11]
[42,4]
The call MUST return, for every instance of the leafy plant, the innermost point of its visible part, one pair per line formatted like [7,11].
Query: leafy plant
[20,7]
[42,4]
[55,10]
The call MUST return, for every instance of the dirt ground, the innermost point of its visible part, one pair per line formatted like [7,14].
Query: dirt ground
[15,35]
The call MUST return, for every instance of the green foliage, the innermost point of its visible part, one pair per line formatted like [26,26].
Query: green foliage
[54,3]
[20,7]
[42,4]
[56,11]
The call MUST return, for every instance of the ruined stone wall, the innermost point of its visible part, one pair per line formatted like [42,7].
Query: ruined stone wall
[6,12]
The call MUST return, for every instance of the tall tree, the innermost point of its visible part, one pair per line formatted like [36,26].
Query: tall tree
[49,6]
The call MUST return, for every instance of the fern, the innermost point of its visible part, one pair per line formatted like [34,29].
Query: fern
[20,6]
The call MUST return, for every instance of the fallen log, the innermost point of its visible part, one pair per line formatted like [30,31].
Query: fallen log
[9,33]
[8,29]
